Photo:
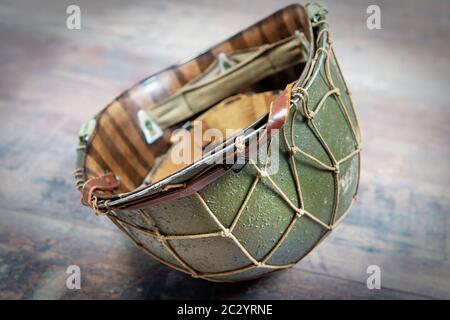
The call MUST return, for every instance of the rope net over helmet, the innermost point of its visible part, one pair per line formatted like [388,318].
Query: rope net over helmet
[242,225]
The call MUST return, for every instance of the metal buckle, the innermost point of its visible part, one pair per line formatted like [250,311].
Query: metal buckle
[240,159]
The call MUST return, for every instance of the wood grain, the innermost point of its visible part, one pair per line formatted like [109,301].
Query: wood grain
[52,79]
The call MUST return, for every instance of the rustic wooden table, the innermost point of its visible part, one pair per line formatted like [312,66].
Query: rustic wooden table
[52,79]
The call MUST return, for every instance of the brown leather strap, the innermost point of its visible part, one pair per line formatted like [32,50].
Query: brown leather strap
[187,190]
[279,110]
[106,182]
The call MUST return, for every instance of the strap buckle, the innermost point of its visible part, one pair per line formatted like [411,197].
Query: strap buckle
[106,182]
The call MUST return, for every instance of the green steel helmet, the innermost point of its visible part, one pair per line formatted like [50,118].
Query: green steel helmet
[235,163]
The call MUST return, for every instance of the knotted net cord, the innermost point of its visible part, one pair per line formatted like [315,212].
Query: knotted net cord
[301,94]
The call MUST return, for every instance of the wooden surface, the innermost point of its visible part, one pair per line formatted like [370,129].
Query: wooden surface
[52,79]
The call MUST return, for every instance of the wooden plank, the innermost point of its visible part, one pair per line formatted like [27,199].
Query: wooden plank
[113,268]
